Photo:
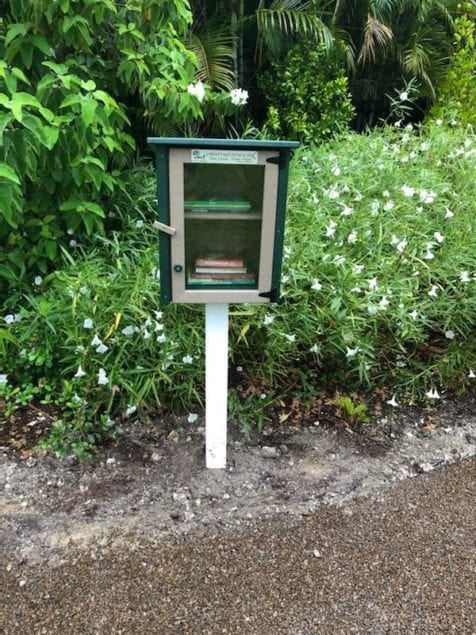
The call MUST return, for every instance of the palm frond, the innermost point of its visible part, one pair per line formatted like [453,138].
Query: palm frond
[378,38]
[288,17]
[213,48]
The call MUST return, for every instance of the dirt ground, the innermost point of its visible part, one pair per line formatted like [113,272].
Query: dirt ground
[156,480]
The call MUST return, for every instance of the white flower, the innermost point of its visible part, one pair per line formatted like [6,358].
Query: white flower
[433,292]
[161,338]
[449,335]
[96,341]
[3,379]
[347,211]
[316,285]
[332,193]
[102,377]
[336,170]
[88,323]
[80,372]
[158,327]
[188,359]
[438,236]
[38,280]
[192,417]
[389,205]
[400,246]
[372,309]
[314,349]
[386,193]
[439,122]
[464,276]
[433,394]
[73,243]
[268,319]
[158,315]
[352,237]
[392,402]
[263,395]
[427,197]
[197,90]
[130,410]
[357,269]
[471,374]
[408,191]
[139,223]
[403,96]
[290,338]
[339,260]
[373,284]
[398,123]
[449,213]
[11,319]
[146,334]
[351,352]
[101,349]
[374,207]
[238,96]
[413,314]
[127,330]
[429,254]
[331,228]
[383,304]
[424,146]
[70,231]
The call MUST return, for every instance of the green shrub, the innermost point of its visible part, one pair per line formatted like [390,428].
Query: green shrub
[308,95]
[457,96]
[379,292]
[64,69]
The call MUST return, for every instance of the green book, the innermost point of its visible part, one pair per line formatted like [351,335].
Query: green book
[214,205]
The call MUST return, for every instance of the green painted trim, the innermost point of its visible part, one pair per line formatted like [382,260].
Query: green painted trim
[280,223]
[219,143]
[162,170]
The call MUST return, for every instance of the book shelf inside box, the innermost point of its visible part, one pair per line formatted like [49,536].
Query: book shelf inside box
[223,215]
[241,241]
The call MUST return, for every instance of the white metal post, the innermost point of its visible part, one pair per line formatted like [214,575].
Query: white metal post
[216,384]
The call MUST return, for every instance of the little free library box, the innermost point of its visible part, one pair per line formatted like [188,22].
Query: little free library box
[222,206]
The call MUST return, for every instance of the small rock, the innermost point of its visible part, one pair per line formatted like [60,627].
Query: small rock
[284,448]
[155,456]
[22,583]
[31,462]
[317,553]
[269,452]
[175,516]
[110,461]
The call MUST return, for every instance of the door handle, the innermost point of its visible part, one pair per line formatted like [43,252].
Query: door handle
[164,228]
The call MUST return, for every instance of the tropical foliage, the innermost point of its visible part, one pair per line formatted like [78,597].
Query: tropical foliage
[308,95]
[65,68]
[379,291]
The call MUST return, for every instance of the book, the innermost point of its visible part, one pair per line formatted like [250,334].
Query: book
[219,261]
[222,270]
[212,205]
[220,283]
[221,276]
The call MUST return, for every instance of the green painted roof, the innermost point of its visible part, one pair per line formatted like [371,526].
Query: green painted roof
[219,143]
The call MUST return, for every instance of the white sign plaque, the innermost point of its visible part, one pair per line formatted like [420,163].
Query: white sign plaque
[238,157]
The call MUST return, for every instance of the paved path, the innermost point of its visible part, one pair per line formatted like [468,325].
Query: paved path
[402,562]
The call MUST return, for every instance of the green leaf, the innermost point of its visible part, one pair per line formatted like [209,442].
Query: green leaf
[26,54]
[7,272]
[94,208]
[8,173]
[89,85]
[14,30]
[88,108]
[25,99]
[42,44]
[19,74]
[5,119]
[50,136]
[70,204]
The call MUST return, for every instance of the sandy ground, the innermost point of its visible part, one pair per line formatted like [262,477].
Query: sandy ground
[308,530]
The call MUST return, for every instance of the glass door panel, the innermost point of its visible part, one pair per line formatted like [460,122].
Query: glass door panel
[223,209]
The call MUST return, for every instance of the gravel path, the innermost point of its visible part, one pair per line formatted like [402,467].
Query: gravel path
[400,561]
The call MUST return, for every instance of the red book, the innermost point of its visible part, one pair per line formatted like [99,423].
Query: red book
[219,262]
[221,276]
